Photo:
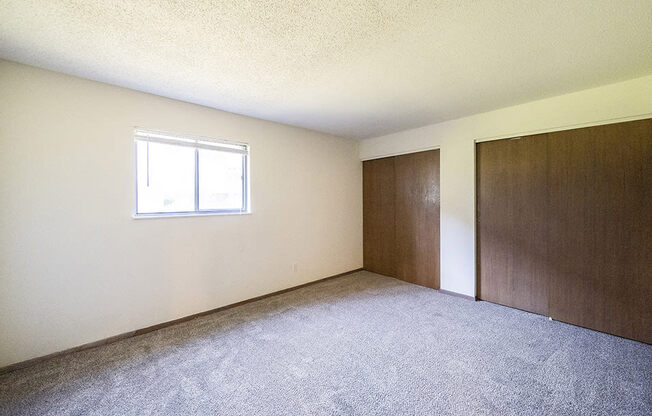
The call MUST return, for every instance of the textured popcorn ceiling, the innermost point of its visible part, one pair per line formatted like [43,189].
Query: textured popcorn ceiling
[357,69]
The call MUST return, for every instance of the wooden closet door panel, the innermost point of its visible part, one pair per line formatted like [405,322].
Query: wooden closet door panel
[417,218]
[511,183]
[600,182]
[378,199]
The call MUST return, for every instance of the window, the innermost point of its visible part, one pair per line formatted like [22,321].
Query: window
[180,175]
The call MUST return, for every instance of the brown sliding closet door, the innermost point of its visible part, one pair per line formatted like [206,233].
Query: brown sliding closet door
[512,222]
[600,221]
[401,217]
[565,226]
[378,198]
[417,218]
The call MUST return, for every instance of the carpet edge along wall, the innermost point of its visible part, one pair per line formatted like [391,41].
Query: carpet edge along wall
[141,331]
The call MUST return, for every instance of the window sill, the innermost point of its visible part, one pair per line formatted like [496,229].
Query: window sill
[186,214]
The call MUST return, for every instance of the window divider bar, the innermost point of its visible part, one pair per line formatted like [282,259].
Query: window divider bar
[243,206]
[196,180]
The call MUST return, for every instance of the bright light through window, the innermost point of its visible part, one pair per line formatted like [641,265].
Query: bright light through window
[220,180]
[181,175]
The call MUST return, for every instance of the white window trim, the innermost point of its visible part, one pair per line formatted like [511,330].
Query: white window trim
[196,142]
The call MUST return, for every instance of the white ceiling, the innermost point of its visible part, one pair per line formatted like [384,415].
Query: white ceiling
[353,68]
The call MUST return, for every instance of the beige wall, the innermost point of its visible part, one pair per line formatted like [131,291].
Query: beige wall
[456,139]
[75,267]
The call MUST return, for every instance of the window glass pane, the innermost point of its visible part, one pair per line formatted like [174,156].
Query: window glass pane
[220,180]
[166,177]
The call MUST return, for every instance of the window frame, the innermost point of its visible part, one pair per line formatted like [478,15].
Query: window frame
[197,143]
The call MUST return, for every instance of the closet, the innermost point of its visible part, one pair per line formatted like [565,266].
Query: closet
[401,217]
[564,226]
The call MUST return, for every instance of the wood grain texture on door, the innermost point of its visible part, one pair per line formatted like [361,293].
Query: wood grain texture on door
[511,180]
[600,219]
[379,231]
[565,226]
[417,218]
